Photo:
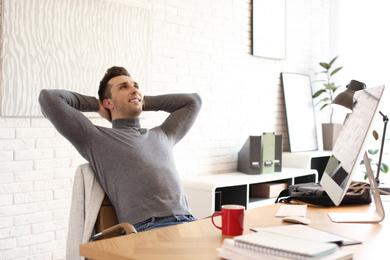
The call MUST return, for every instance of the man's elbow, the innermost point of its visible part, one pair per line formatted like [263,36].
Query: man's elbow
[43,95]
[197,100]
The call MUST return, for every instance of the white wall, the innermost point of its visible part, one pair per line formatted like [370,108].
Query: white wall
[199,46]
[363,45]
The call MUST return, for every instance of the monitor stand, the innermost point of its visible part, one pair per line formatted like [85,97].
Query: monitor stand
[369,217]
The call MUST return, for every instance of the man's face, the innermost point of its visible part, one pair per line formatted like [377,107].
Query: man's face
[126,98]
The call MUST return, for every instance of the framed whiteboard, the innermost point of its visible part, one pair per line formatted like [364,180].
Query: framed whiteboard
[300,115]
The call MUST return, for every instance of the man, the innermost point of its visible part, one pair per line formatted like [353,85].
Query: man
[135,166]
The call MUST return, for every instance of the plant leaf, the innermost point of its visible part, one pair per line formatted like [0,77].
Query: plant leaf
[332,61]
[325,100]
[325,65]
[335,71]
[329,86]
[323,107]
[334,88]
[319,92]
[375,135]
[373,151]
[384,168]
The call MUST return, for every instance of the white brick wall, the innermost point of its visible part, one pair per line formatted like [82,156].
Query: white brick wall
[199,46]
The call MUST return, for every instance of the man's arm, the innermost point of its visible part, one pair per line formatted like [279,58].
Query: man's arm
[183,109]
[63,109]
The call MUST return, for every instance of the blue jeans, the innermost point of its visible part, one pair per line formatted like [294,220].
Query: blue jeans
[159,222]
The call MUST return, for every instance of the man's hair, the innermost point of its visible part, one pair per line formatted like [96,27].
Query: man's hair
[104,89]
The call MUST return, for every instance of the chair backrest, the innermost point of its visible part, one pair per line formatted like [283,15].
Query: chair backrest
[106,217]
[91,212]
[87,197]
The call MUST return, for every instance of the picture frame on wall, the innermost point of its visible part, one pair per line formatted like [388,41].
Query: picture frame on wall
[68,51]
[269,28]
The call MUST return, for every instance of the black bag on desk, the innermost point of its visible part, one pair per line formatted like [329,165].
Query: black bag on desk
[313,193]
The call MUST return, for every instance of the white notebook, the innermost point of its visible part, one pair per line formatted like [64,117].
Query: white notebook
[275,244]
[310,233]
[230,252]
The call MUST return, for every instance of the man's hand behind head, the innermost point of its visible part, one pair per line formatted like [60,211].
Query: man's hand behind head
[103,112]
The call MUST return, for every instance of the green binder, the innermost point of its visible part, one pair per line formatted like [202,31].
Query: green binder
[268,154]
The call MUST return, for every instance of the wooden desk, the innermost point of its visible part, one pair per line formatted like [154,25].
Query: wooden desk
[199,239]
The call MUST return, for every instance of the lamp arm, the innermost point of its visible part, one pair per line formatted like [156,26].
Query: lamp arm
[385,121]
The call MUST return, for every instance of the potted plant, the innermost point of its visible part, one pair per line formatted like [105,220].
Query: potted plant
[373,157]
[326,94]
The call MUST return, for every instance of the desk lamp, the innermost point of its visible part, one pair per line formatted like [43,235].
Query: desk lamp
[345,101]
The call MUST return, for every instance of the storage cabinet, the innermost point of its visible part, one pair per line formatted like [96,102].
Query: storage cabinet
[207,193]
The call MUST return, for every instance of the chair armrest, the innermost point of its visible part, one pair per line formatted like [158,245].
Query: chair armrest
[117,230]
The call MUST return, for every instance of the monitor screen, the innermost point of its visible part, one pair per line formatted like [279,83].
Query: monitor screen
[348,150]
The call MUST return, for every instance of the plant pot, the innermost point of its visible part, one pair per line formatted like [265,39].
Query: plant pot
[329,135]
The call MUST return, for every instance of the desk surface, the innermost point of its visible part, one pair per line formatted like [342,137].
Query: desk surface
[199,239]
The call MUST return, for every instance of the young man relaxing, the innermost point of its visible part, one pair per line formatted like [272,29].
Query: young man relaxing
[135,166]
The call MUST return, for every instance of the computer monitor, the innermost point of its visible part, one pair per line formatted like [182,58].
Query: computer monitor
[348,152]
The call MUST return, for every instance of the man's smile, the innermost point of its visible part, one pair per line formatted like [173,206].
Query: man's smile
[135,100]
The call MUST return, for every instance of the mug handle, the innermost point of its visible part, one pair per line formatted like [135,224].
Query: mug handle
[212,219]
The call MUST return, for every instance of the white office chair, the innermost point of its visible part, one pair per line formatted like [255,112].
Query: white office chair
[92,216]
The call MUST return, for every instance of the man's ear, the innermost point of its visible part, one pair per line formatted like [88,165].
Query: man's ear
[108,104]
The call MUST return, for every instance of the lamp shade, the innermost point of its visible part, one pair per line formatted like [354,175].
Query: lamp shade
[345,99]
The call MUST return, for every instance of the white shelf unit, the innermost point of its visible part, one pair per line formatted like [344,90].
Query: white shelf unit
[307,160]
[205,193]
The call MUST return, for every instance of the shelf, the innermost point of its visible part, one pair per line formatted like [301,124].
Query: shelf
[237,178]
[206,193]
[316,160]
[260,202]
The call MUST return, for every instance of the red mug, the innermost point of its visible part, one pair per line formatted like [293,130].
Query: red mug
[232,219]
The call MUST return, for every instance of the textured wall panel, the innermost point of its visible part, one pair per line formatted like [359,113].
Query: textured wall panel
[68,44]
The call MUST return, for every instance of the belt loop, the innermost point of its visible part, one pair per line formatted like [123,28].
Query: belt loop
[153,220]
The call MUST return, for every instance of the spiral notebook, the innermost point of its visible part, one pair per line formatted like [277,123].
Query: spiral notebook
[266,242]
[230,252]
[310,233]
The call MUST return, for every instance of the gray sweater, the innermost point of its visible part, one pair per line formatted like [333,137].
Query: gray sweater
[135,166]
